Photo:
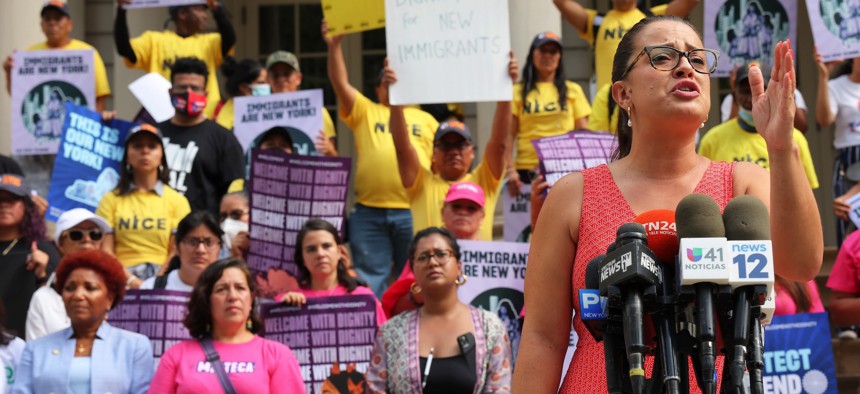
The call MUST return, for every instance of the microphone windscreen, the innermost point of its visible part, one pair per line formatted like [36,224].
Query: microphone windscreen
[592,273]
[631,227]
[698,216]
[746,218]
[662,235]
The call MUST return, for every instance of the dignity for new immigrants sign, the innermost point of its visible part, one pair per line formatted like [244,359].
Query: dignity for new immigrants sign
[332,338]
[299,112]
[835,28]
[573,152]
[88,161]
[42,82]
[446,51]
[351,16]
[798,357]
[156,314]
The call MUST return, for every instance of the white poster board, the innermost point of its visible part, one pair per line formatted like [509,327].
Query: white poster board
[448,51]
[299,112]
[835,27]
[517,214]
[153,92]
[854,213]
[42,81]
[160,3]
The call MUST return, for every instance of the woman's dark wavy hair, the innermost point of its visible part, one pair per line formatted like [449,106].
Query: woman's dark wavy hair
[623,56]
[126,174]
[240,72]
[32,226]
[199,318]
[529,78]
[343,276]
[102,263]
[188,224]
[452,242]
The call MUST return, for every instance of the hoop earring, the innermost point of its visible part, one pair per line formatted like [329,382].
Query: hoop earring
[702,126]
[629,120]
[415,289]
[461,279]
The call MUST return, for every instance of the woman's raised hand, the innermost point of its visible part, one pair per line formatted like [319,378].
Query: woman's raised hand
[774,108]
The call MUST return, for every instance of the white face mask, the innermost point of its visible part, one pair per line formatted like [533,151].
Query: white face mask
[260,89]
[232,227]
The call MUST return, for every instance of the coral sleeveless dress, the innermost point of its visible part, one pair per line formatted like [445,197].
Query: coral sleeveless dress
[604,209]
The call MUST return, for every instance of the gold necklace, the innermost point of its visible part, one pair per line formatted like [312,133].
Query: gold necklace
[11,245]
[82,349]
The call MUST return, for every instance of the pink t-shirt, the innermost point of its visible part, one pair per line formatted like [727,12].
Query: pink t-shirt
[341,290]
[785,304]
[845,275]
[257,366]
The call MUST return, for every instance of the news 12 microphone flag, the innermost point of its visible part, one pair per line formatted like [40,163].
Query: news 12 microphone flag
[798,356]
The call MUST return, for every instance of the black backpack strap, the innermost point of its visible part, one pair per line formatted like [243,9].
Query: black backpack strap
[160,282]
[215,362]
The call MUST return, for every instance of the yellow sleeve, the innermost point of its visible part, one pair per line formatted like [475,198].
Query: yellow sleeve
[107,208]
[418,186]
[328,124]
[599,119]
[485,179]
[102,86]
[517,103]
[577,101]
[143,48]
[213,48]
[588,36]
[180,206]
[806,158]
[359,110]
[660,9]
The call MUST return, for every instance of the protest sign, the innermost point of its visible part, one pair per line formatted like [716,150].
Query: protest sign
[854,213]
[575,151]
[448,51]
[332,338]
[350,16]
[744,31]
[157,314]
[153,92]
[42,81]
[835,26]
[299,112]
[88,161]
[798,357]
[160,3]
[286,191]
[517,214]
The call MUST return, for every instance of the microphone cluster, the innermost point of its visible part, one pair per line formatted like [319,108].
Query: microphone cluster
[692,283]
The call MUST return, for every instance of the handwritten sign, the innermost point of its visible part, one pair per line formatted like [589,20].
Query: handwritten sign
[448,50]
[42,82]
[299,112]
[157,314]
[573,152]
[160,3]
[351,16]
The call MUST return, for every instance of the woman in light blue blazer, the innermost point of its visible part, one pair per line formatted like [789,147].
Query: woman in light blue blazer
[90,356]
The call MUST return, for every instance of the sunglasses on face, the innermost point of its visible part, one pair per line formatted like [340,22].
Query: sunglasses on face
[78,235]
[235,214]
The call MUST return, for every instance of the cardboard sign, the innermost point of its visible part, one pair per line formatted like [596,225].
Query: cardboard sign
[517,215]
[299,112]
[572,152]
[448,50]
[157,314]
[352,16]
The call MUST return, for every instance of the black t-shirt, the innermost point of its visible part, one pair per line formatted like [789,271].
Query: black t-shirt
[203,160]
[17,284]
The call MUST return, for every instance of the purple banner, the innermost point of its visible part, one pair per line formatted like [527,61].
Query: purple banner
[572,152]
[286,191]
[157,314]
[332,338]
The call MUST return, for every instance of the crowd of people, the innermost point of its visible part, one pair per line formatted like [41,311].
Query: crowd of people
[178,219]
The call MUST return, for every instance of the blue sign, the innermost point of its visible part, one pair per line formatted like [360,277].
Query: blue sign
[88,161]
[591,305]
[798,357]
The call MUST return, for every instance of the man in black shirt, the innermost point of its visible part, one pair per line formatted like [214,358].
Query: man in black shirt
[204,158]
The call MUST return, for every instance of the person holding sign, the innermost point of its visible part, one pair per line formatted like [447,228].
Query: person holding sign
[662,85]
[244,78]
[198,241]
[91,355]
[57,26]
[321,258]
[460,348]
[222,317]
[143,210]
[381,225]
[453,154]
[538,108]
[157,51]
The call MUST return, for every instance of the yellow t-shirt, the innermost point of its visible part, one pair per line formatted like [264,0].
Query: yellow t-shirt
[156,51]
[102,86]
[599,119]
[541,116]
[377,181]
[142,223]
[427,196]
[226,117]
[729,142]
[615,24]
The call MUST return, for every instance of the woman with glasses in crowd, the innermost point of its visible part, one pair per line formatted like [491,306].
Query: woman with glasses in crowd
[445,346]
[661,82]
[90,356]
[222,318]
[198,240]
[143,210]
[235,213]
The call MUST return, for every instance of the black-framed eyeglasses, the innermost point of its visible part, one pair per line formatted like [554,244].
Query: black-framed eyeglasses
[208,242]
[78,235]
[666,58]
[442,256]
[235,214]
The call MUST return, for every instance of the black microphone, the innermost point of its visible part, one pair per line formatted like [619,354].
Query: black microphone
[751,276]
[702,266]
[593,310]
[631,267]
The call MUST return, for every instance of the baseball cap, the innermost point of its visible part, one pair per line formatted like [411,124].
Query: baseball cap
[58,5]
[453,126]
[74,217]
[466,191]
[144,128]
[744,73]
[14,184]
[283,57]
[545,37]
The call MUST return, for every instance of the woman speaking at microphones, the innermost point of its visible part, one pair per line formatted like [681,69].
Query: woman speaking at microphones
[661,82]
